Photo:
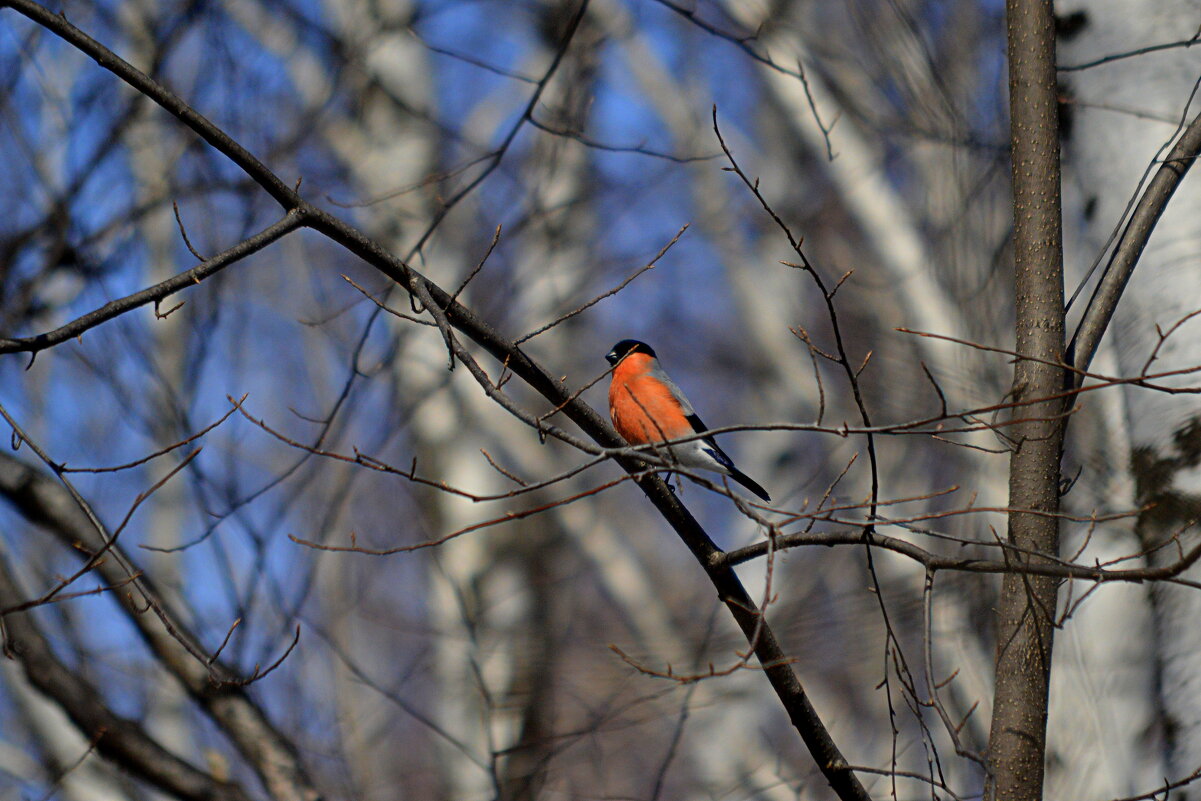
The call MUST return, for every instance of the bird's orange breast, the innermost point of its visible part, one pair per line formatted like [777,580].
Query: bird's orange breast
[641,406]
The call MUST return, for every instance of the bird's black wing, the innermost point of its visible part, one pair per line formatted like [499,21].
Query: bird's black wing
[709,443]
[712,448]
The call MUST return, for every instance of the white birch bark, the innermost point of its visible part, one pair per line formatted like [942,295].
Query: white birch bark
[1122,113]
[919,284]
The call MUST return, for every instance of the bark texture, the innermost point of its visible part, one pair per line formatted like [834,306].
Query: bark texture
[1026,610]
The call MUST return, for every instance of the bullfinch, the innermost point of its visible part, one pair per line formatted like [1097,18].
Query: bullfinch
[648,408]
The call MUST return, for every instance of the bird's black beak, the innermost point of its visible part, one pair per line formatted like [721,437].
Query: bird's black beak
[611,357]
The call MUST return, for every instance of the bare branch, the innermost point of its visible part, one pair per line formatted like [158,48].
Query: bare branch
[122,740]
[1130,247]
[1141,51]
[45,501]
[115,308]
[579,309]
[934,562]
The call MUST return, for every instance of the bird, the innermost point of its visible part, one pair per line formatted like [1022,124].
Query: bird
[647,408]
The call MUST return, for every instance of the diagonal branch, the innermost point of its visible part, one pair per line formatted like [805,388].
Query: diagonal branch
[115,308]
[119,739]
[221,141]
[1130,247]
[448,312]
[47,503]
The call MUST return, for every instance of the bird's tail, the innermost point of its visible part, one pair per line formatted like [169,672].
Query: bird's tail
[746,481]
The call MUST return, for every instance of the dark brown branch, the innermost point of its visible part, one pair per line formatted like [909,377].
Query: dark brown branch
[118,739]
[507,517]
[410,473]
[484,260]
[1165,789]
[379,304]
[844,782]
[160,452]
[640,150]
[475,62]
[934,562]
[1130,247]
[589,304]
[446,311]
[1142,380]
[492,160]
[115,308]
[46,502]
[144,84]
[59,597]
[1141,51]
[842,360]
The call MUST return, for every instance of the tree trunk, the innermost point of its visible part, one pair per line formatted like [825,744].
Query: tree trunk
[1026,610]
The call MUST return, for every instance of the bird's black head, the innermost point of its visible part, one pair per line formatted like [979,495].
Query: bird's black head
[625,348]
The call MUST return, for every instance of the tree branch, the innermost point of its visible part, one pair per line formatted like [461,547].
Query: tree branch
[45,502]
[1017,742]
[119,739]
[933,562]
[115,308]
[1130,247]
[447,311]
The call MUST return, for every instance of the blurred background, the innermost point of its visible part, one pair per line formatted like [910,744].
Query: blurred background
[482,668]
